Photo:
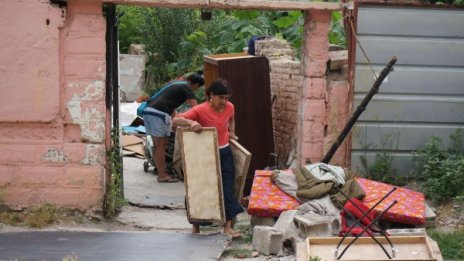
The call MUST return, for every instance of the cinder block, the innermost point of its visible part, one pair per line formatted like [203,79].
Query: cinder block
[262,221]
[407,232]
[285,220]
[317,226]
[267,240]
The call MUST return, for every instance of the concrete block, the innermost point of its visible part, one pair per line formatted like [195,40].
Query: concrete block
[286,225]
[285,220]
[267,240]
[314,225]
[407,232]
[262,221]
[430,216]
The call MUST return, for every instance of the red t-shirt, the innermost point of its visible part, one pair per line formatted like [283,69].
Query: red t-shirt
[208,117]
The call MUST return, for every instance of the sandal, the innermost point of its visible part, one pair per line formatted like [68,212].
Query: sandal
[168,180]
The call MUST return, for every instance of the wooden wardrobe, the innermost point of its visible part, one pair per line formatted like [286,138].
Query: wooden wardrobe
[251,96]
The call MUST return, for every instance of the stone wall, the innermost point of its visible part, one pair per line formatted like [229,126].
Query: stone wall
[132,76]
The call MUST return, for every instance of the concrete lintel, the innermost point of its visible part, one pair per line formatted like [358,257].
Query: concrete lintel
[234,4]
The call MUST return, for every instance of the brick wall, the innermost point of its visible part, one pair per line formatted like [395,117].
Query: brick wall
[286,82]
[309,111]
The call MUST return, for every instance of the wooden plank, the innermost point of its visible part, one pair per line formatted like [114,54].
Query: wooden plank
[130,140]
[436,253]
[233,5]
[137,148]
[202,175]
[301,252]
[177,158]
[406,248]
[242,159]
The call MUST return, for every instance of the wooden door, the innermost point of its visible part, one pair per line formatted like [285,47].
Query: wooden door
[251,95]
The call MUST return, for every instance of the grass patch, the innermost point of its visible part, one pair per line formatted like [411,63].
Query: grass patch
[238,253]
[34,217]
[42,216]
[39,217]
[451,243]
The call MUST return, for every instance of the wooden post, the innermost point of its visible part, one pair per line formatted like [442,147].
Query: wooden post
[374,89]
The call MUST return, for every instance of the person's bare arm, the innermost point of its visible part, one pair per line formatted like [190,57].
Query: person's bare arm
[192,102]
[181,121]
[232,129]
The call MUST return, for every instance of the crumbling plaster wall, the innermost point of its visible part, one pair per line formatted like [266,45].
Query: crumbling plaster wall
[286,83]
[52,122]
[311,101]
[325,103]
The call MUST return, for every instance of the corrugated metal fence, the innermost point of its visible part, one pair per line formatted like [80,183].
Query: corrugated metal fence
[423,96]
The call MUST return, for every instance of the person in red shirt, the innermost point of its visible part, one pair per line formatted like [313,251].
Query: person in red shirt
[218,112]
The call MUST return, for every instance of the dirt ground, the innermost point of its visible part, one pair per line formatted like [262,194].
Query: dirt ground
[159,207]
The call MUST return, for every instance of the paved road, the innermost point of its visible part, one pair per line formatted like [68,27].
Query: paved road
[115,246]
[161,210]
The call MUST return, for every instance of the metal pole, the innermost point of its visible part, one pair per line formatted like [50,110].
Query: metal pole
[359,110]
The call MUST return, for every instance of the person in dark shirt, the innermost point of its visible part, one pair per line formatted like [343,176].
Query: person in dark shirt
[158,118]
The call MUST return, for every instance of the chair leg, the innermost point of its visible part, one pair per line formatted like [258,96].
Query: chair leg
[372,222]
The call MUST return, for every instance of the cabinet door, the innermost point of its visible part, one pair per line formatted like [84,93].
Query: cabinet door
[251,95]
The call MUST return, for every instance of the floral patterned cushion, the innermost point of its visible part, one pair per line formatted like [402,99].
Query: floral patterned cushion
[410,208]
[266,199]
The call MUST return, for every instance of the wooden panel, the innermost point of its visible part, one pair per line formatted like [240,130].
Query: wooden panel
[211,73]
[242,158]
[202,175]
[406,248]
[251,95]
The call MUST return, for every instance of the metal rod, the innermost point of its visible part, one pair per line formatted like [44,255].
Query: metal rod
[364,230]
[360,224]
[374,89]
[365,215]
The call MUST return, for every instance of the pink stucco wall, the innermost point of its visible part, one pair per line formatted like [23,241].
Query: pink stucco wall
[324,105]
[52,121]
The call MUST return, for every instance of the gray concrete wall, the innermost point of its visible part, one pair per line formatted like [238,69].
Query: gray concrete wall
[132,76]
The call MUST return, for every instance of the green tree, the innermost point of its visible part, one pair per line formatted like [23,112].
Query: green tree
[176,40]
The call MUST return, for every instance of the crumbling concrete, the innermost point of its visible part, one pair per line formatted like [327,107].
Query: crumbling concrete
[262,221]
[267,240]
[287,226]
[132,76]
[314,225]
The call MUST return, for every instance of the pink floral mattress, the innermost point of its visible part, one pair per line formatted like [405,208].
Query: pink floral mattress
[410,208]
[266,199]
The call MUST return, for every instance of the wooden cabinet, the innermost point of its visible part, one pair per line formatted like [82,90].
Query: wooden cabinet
[251,95]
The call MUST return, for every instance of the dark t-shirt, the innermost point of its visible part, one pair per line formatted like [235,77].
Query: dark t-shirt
[172,97]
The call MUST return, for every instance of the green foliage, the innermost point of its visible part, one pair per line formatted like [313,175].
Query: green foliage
[448,2]
[337,33]
[113,197]
[176,40]
[382,168]
[440,169]
[162,31]
[235,32]
[451,244]
[129,27]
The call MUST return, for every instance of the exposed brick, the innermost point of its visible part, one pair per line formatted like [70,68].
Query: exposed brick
[314,110]
[314,88]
